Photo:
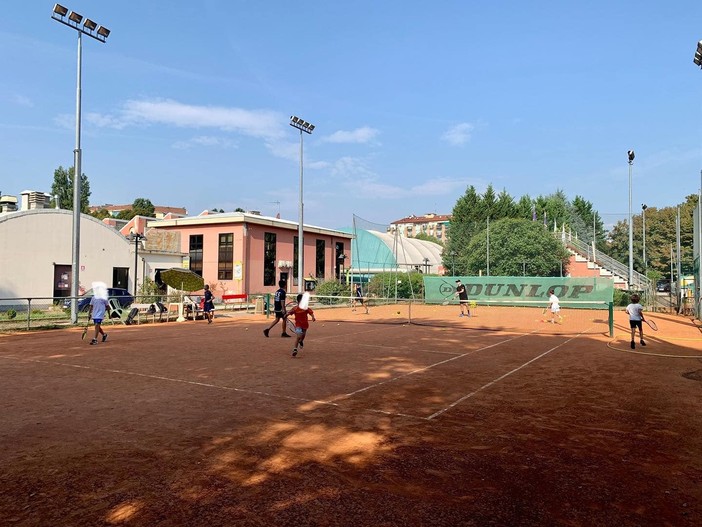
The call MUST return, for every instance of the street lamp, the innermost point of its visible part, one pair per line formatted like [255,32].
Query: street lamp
[698,55]
[643,220]
[99,33]
[453,263]
[306,127]
[426,265]
[341,259]
[630,153]
[136,238]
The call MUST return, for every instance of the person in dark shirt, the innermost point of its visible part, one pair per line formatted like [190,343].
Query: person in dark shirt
[462,295]
[278,309]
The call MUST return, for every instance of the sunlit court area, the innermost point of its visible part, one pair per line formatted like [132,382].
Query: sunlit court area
[404,415]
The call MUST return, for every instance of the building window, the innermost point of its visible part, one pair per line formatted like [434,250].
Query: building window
[225,259]
[319,266]
[269,259]
[195,250]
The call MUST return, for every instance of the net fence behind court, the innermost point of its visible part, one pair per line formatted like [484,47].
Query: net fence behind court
[575,316]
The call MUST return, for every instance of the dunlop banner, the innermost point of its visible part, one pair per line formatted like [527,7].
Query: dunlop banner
[511,289]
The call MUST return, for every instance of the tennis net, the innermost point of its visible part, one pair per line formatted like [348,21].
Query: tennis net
[574,317]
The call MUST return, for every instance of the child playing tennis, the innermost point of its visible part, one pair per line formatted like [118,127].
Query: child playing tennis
[301,323]
[636,318]
[555,307]
[98,308]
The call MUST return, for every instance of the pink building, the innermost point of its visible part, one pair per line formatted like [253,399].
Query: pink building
[239,253]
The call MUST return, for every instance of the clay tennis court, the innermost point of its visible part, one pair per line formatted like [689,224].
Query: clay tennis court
[499,419]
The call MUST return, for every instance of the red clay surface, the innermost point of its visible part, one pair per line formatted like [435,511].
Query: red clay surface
[452,423]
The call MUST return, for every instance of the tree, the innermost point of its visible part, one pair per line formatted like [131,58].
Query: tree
[428,238]
[140,207]
[101,214]
[62,188]
[517,247]
[660,238]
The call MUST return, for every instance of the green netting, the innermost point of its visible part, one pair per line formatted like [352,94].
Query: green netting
[513,289]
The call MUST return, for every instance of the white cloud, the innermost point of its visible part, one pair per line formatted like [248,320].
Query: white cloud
[204,140]
[361,135]
[264,124]
[21,100]
[356,175]
[458,135]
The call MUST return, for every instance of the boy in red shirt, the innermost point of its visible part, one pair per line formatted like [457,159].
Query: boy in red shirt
[301,323]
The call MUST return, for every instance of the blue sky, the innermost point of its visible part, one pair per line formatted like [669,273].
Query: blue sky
[188,103]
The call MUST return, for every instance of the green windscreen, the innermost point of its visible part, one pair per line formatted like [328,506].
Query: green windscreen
[521,290]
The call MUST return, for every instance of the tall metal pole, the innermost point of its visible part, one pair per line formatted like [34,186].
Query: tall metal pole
[136,264]
[300,231]
[643,220]
[75,269]
[488,246]
[306,127]
[630,153]
[99,33]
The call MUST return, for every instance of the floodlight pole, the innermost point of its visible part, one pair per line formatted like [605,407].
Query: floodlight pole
[99,33]
[630,153]
[136,238]
[643,221]
[306,127]
[698,62]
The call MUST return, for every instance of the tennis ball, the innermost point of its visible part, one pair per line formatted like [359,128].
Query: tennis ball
[246,329]
[398,312]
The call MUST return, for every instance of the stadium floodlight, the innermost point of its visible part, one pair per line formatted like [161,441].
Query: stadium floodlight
[60,10]
[630,155]
[698,55]
[74,19]
[103,32]
[306,127]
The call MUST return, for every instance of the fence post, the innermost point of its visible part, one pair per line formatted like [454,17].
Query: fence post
[611,319]
[29,312]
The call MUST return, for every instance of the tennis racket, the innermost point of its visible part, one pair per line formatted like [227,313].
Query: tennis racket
[652,324]
[289,323]
[85,331]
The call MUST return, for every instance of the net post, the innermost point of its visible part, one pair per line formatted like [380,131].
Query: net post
[611,319]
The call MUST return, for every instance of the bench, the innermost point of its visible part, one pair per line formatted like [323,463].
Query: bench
[236,301]
[148,310]
[142,309]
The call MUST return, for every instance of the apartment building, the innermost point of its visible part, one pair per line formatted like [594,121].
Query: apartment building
[431,224]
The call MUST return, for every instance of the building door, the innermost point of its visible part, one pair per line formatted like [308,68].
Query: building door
[120,277]
[62,280]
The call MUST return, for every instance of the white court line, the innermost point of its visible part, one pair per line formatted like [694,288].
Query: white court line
[425,368]
[170,379]
[495,381]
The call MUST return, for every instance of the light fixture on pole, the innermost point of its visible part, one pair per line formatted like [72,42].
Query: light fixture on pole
[136,238]
[306,127]
[341,259]
[698,55]
[100,33]
[643,221]
[426,265]
[631,156]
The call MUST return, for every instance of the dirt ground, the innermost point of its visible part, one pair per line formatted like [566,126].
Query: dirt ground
[495,420]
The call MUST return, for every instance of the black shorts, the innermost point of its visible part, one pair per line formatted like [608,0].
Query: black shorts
[635,324]
[279,314]
[463,300]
